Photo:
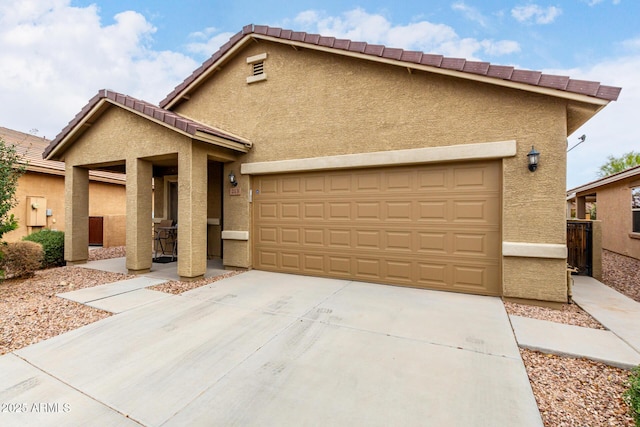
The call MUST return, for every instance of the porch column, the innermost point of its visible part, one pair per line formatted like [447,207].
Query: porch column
[76,214]
[581,209]
[192,213]
[139,232]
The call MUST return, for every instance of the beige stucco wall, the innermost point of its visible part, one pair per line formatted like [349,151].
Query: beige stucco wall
[121,137]
[317,104]
[614,210]
[104,199]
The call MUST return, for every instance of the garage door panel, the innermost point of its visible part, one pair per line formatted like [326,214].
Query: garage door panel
[433,275]
[399,241]
[340,183]
[290,236]
[434,227]
[268,235]
[368,269]
[268,211]
[398,271]
[339,239]
[399,210]
[269,186]
[268,259]
[313,211]
[313,263]
[433,242]
[367,211]
[314,237]
[368,183]
[339,211]
[290,210]
[339,265]
[433,211]
[314,184]
[399,181]
[368,239]
[432,180]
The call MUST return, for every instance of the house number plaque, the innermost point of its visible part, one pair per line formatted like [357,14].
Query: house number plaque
[234,191]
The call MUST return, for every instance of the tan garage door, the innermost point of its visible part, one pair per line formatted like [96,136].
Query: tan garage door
[434,226]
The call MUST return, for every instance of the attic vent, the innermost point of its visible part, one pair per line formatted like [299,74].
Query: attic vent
[257,68]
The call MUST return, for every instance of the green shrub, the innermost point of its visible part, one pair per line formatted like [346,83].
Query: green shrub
[21,259]
[52,244]
[632,395]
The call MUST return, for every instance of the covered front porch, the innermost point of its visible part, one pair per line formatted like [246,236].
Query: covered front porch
[175,170]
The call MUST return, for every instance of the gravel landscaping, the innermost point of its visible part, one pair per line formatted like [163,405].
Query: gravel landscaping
[621,273]
[569,392]
[31,312]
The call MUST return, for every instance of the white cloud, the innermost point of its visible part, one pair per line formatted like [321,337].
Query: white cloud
[55,57]
[208,41]
[470,13]
[536,13]
[358,25]
[595,2]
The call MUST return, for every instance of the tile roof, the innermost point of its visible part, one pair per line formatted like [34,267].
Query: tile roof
[144,108]
[631,172]
[501,72]
[31,148]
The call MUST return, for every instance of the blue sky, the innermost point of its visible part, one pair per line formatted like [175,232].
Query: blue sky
[55,55]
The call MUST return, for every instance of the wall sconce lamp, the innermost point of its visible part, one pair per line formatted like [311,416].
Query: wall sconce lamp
[232,179]
[534,158]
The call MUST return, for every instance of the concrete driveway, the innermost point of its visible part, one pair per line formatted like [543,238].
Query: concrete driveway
[272,349]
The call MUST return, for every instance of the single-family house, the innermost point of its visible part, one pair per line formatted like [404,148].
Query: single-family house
[616,199]
[40,195]
[330,157]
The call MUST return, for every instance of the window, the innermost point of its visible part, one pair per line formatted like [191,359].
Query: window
[635,209]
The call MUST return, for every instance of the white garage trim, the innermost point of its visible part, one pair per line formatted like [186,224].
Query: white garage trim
[534,250]
[480,151]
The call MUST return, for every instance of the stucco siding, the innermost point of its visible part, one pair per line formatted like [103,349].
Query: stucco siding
[104,199]
[120,135]
[315,104]
[614,210]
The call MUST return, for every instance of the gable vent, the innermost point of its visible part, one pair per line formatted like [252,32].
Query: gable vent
[257,68]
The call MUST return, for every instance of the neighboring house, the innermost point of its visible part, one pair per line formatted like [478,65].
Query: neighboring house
[351,160]
[40,195]
[617,201]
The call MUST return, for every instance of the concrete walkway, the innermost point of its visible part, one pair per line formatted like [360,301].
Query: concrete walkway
[131,293]
[618,346]
[274,349]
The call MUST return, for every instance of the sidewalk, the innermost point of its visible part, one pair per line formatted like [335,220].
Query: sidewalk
[127,294]
[618,346]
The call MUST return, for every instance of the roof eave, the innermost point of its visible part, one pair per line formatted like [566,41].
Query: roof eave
[74,132]
[212,68]
[243,146]
[205,75]
[629,173]
[444,71]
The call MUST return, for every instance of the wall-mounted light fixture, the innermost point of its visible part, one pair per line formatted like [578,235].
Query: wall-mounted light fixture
[534,158]
[232,179]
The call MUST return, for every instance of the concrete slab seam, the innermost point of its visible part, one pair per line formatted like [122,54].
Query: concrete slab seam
[454,347]
[609,362]
[76,389]
[603,323]
[234,367]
